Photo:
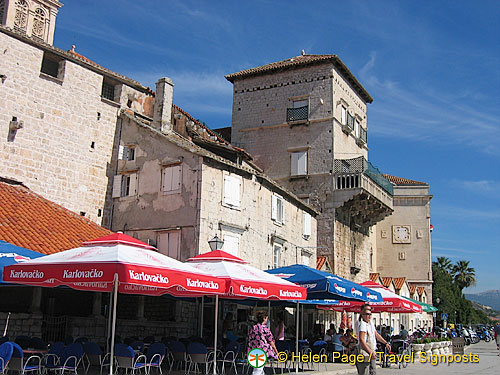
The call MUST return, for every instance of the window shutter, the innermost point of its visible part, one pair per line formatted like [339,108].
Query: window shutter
[176,177]
[294,164]
[231,244]
[237,192]
[302,163]
[174,244]
[356,129]
[343,118]
[274,208]
[117,186]
[282,210]
[166,183]
[307,224]
[122,152]
[300,103]
[227,189]
[133,185]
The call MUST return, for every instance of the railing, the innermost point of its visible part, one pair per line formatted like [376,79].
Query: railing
[349,173]
[297,114]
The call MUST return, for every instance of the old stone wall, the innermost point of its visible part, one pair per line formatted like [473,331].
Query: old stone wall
[252,220]
[64,148]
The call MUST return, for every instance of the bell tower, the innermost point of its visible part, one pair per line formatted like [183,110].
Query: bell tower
[34,18]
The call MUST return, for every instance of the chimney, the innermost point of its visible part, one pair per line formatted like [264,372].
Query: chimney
[163,105]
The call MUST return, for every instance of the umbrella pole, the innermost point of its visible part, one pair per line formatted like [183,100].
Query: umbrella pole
[202,312]
[6,325]
[215,334]
[113,324]
[297,339]
[110,307]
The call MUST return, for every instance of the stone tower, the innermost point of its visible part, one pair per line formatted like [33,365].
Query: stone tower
[34,18]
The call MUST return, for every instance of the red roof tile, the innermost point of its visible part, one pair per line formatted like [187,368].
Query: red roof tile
[386,281]
[399,282]
[413,288]
[403,181]
[420,290]
[33,222]
[301,61]
[374,276]
[320,262]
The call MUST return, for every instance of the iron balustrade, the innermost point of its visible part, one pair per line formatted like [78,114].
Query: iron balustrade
[297,114]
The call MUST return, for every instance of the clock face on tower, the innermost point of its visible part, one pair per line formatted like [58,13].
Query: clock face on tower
[401,234]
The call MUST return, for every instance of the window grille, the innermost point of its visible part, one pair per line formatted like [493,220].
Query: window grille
[108,91]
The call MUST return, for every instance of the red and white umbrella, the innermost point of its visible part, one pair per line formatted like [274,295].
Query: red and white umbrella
[115,263]
[392,303]
[245,281]
[93,267]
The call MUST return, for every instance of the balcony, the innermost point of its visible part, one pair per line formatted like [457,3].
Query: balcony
[363,191]
[295,116]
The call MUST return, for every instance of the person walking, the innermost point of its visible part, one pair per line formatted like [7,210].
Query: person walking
[497,336]
[261,337]
[367,346]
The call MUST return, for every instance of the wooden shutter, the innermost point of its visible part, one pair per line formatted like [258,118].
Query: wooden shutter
[232,243]
[232,187]
[307,224]
[117,186]
[122,152]
[294,164]
[343,117]
[282,210]
[174,242]
[274,208]
[302,163]
[176,177]
[133,184]
[166,180]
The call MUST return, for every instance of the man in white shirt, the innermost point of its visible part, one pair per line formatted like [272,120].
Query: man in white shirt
[367,341]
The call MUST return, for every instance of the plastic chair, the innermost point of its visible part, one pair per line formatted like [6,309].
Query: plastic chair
[178,350]
[52,358]
[70,359]
[149,340]
[125,358]
[197,355]
[93,353]
[6,350]
[137,346]
[4,339]
[17,362]
[156,354]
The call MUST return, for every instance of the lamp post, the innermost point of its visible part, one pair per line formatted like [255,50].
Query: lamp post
[216,243]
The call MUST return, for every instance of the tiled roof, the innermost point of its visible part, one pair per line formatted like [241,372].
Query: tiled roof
[403,181]
[33,222]
[399,282]
[320,262]
[413,288]
[420,290]
[301,61]
[386,281]
[374,276]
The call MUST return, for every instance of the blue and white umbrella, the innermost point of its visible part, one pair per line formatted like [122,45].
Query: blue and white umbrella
[12,254]
[325,286]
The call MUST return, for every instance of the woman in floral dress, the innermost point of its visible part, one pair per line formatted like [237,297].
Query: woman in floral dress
[261,337]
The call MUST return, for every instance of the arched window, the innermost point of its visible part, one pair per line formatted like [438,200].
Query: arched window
[21,15]
[39,23]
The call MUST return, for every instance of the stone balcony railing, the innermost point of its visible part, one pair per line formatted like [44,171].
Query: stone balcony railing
[362,190]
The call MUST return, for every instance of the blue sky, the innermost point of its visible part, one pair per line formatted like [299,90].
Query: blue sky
[433,69]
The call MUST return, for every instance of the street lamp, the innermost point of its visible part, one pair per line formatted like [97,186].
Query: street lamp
[216,243]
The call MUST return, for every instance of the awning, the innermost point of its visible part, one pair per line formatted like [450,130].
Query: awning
[12,254]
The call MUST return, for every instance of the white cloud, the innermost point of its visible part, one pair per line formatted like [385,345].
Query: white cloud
[482,186]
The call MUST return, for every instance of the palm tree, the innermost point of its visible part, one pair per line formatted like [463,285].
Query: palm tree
[464,275]
[445,264]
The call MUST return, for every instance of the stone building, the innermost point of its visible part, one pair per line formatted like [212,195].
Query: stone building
[317,109]
[404,238]
[183,185]
[58,111]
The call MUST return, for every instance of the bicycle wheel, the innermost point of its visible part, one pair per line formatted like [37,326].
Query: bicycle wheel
[403,358]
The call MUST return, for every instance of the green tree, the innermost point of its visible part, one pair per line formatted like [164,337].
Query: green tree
[464,275]
[444,263]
